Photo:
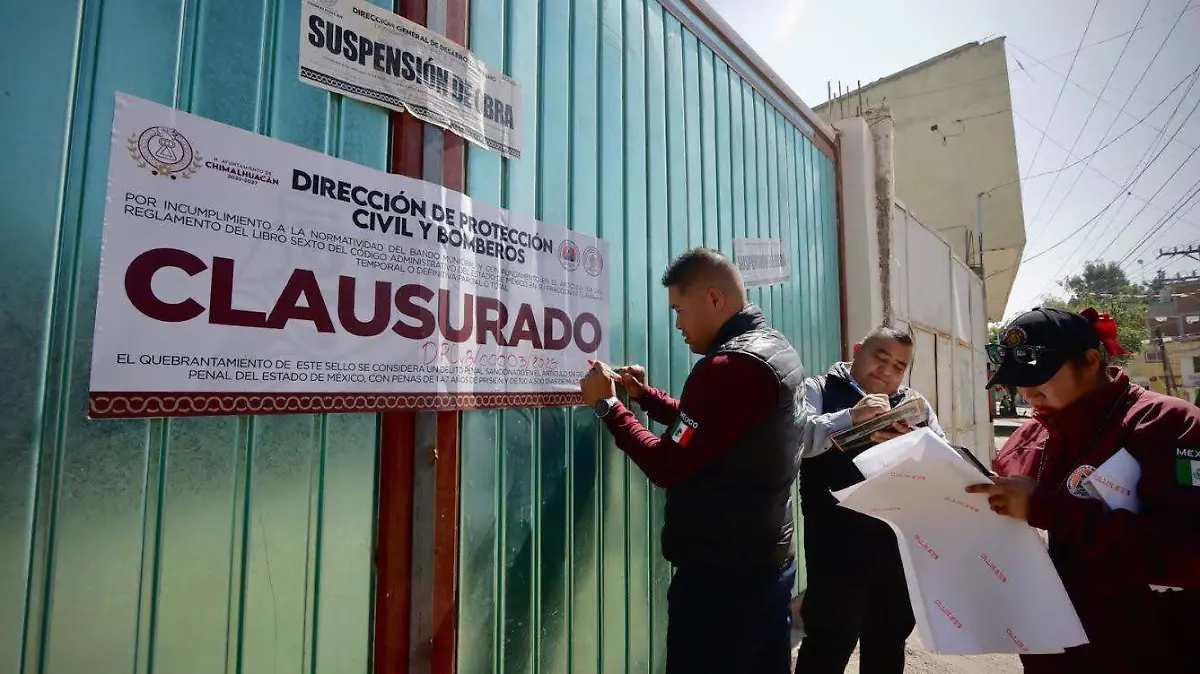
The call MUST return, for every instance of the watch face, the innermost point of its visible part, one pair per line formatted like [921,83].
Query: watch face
[602,407]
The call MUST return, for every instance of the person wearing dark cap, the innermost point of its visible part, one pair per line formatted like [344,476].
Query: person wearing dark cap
[1113,562]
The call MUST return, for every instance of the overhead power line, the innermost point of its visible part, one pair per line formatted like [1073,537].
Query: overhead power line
[1114,200]
[1128,185]
[1162,45]
[1188,251]
[1097,171]
[1116,212]
[1177,219]
[1102,100]
[1095,104]
[1063,88]
[1150,148]
[1022,68]
[1165,182]
[1163,221]
[1106,40]
[1192,75]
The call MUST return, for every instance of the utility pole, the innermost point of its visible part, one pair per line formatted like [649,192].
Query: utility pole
[1187,251]
[1166,362]
[1181,278]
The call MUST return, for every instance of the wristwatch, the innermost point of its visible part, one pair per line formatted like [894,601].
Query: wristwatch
[603,407]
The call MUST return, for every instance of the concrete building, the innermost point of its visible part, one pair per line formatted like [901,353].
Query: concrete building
[907,275]
[1148,369]
[954,141]
[1177,311]
[1175,320]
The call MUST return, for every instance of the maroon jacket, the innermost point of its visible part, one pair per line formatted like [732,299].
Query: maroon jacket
[1108,559]
[720,418]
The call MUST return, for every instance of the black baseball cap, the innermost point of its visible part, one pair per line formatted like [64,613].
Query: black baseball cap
[1061,334]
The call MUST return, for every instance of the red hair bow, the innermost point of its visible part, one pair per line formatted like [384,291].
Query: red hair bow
[1106,330]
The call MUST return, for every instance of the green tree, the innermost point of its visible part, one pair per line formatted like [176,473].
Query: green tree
[1099,280]
[1105,286]
[1156,284]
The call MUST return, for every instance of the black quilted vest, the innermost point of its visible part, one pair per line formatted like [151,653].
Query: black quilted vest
[737,510]
[833,470]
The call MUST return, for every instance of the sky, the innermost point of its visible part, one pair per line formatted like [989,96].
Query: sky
[1137,194]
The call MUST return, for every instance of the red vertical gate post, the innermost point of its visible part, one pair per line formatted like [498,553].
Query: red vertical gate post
[393,545]
[393,587]
[445,569]
[399,603]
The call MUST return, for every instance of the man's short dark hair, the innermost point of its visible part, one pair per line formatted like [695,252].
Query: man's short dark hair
[697,264]
[887,332]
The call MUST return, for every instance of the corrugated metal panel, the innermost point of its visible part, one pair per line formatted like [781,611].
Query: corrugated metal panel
[638,132]
[195,545]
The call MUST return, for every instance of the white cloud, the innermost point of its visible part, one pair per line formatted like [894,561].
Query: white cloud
[791,19]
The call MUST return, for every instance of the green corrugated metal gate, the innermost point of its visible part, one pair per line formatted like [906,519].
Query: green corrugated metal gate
[245,544]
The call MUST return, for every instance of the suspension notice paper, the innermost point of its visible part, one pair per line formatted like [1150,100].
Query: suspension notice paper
[979,582]
[243,275]
[762,262]
[357,49]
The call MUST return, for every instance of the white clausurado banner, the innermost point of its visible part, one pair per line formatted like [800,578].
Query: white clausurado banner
[761,261]
[241,274]
[356,49]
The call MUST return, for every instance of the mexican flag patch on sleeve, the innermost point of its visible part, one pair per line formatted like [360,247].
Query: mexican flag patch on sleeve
[1187,467]
[684,429]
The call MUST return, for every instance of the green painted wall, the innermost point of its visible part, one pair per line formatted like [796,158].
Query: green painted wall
[635,131]
[185,546]
[244,544]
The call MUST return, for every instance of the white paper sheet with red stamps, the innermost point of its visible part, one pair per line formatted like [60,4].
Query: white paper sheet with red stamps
[979,582]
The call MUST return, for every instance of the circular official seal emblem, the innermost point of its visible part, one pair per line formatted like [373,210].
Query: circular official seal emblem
[1014,337]
[1075,481]
[164,152]
[568,255]
[593,261]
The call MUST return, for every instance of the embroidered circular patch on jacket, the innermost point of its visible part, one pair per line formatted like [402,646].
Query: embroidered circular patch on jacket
[1075,482]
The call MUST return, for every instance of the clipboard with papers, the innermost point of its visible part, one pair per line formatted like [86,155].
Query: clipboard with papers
[855,440]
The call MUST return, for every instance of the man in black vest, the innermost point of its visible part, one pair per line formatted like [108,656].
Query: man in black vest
[856,588]
[727,461]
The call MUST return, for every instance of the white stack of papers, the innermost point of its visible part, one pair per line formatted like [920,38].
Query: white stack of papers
[979,582]
[1115,482]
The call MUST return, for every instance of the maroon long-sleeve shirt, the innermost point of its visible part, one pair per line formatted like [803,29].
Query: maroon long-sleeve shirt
[724,397]
[1107,558]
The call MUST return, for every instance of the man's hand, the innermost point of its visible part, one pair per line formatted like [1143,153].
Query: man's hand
[1009,496]
[596,385]
[869,407]
[795,607]
[633,378]
[894,431]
